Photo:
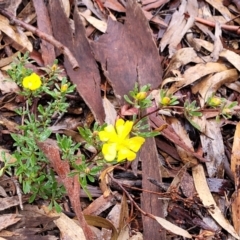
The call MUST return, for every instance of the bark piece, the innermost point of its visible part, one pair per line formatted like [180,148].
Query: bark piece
[127,52]
[87,77]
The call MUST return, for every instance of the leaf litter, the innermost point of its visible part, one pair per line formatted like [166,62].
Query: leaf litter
[189,48]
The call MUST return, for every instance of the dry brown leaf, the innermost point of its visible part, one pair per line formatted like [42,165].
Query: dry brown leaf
[235,166]
[192,74]
[208,200]
[68,228]
[8,202]
[15,33]
[179,25]
[234,86]
[7,220]
[98,24]
[110,112]
[185,156]
[213,147]
[103,223]
[231,56]
[96,12]
[172,228]
[218,5]
[175,28]
[123,220]
[103,181]
[66,6]
[182,57]
[114,5]
[218,47]
[7,85]
[99,205]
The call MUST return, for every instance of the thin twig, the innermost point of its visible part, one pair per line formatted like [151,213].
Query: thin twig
[131,199]
[213,24]
[65,50]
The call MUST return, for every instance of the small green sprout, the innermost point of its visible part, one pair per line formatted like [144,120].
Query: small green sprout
[167,99]
[191,111]
[227,110]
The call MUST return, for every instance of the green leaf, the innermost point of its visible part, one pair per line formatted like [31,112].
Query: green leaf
[57,207]
[44,135]
[91,178]
[127,99]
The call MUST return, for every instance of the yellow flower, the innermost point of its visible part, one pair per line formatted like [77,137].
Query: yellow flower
[32,82]
[64,88]
[118,144]
[141,95]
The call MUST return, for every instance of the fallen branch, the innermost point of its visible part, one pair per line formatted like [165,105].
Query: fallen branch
[43,36]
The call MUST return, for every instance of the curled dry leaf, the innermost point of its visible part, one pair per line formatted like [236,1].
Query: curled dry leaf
[103,223]
[172,228]
[208,200]
[104,179]
[212,83]
[182,57]
[194,73]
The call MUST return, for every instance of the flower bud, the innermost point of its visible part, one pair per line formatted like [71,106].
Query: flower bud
[54,67]
[87,170]
[64,88]
[165,101]
[141,95]
[215,101]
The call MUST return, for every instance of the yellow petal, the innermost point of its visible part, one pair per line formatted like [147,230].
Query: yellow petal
[109,151]
[134,143]
[125,153]
[107,134]
[123,128]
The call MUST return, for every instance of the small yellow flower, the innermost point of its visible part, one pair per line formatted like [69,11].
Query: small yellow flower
[165,101]
[32,82]
[64,88]
[141,96]
[117,142]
